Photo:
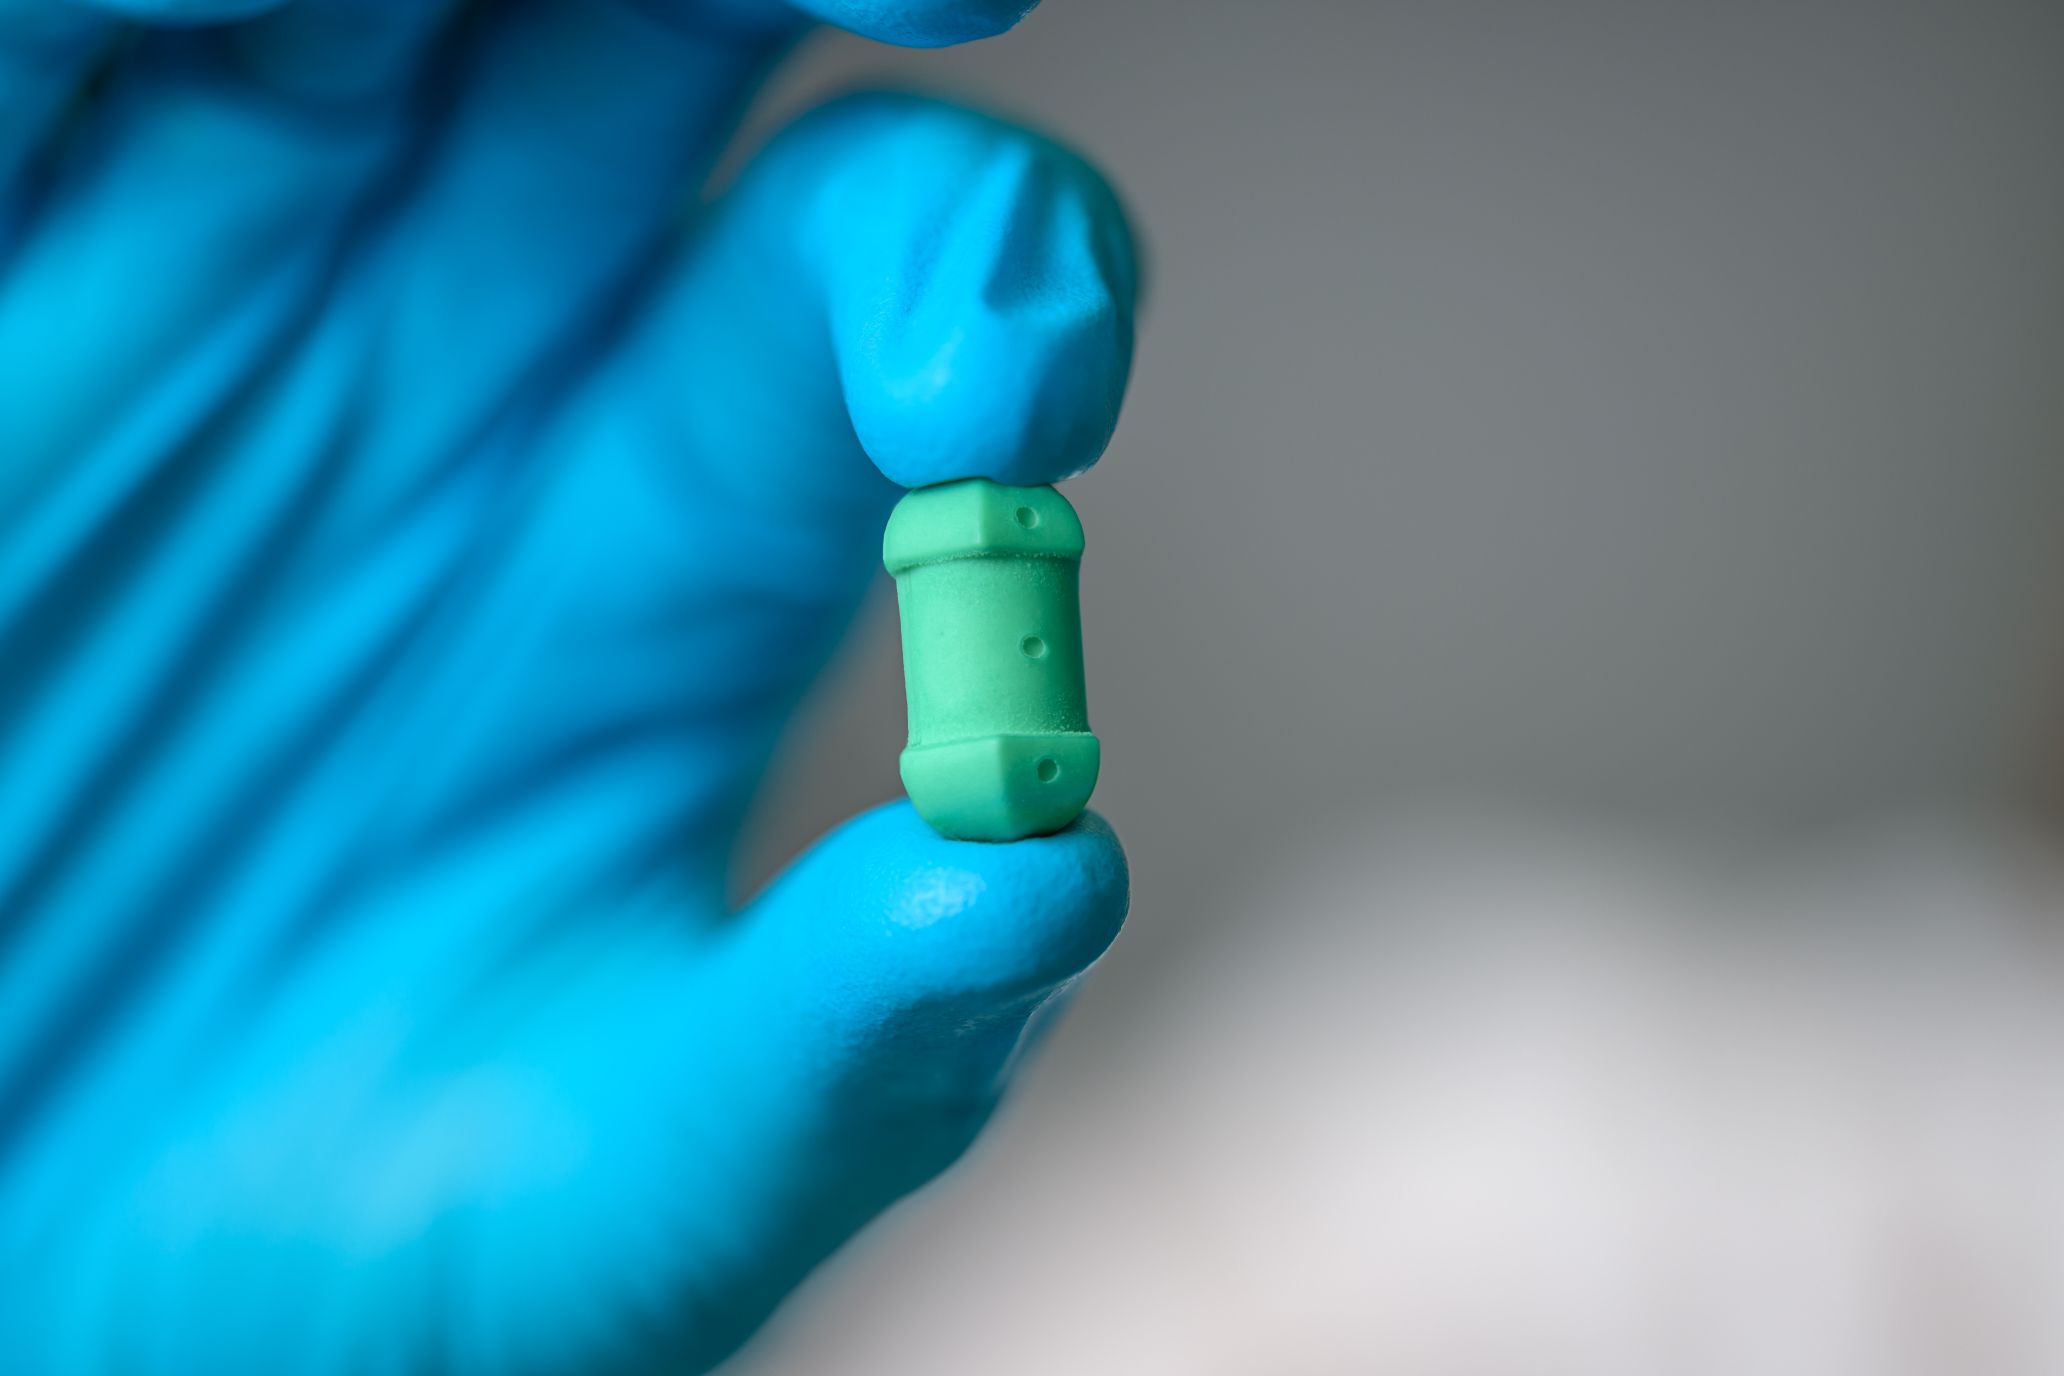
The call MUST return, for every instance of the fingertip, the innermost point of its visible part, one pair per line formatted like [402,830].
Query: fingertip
[895,293]
[961,930]
[982,284]
[1036,913]
[921,23]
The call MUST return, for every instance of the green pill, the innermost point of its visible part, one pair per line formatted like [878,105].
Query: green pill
[987,589]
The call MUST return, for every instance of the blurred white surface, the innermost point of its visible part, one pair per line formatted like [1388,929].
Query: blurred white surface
[1475,1098]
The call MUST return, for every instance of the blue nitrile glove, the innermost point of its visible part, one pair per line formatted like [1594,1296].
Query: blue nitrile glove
[412,541]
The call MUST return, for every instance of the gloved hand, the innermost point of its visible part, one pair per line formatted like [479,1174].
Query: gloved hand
[412,539]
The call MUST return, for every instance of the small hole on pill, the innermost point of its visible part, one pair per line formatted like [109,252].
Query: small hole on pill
[1048,771]
[1027,517]
[1033,646]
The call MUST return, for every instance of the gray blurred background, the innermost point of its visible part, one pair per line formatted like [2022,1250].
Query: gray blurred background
[1639,419]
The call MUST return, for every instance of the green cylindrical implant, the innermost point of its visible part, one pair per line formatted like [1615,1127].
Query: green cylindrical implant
[986,585]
